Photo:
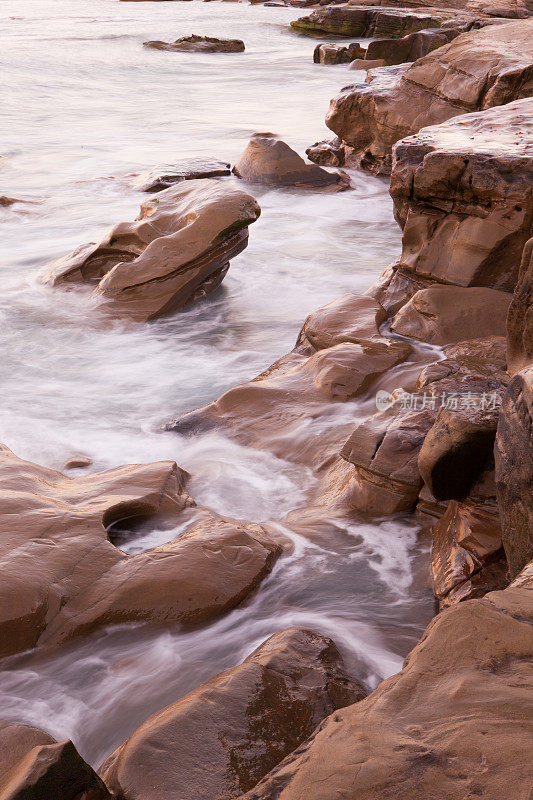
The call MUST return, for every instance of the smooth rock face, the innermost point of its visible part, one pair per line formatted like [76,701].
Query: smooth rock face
[162,177]
[520,317]
[33,766]
[349,318]
[366,22]
[62,577]
[410,47]
[269,160]
[337,54]
[454,723]
[199,44]
[463,193]
[223,737]
[447,314]
[176,251]
[366,64]
[514,470]
[476,71]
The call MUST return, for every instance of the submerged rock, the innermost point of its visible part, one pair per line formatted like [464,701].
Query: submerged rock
[476,71]
[223,737]
[455,722]
[175,252]
[162,177]
[62,577]
[199,44]
[33,766]
[267,159]
[366,22]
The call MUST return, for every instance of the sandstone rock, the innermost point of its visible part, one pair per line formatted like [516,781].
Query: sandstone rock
[269,160]
[411,47]
[199,44]
[446,314]
[337,54]
[395,287]
[476,71]
[349,318]
[514,470]
[62,577]
[327,153]
[176,251]
[367,64]
[520,317]
[366,22]
[222,738]
[33,766]
[77,462]
[187,169]
[455,722]
[463,193]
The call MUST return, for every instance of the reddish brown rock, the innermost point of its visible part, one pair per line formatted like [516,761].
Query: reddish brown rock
[366,64]
[349,318]
[327,153]
[476,71]
[366,22]
[62,577]
[33,766]
[337,54]
[411,47]
[188,169]
[269,160]
[454,723]
[199,44]
[222,738]
[520,317]
[176,251]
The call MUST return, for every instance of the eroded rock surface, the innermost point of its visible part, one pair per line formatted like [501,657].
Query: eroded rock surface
[175,252]
[166,175]
[199,44]
[337,54]
[411,47]
[366,22]
[520,317]
[223,737]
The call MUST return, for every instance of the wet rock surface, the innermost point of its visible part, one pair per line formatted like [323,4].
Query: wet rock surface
[365,22]
[199,44]
[176,251]
[413,46]
[337,54]
[222,738]
[162,177]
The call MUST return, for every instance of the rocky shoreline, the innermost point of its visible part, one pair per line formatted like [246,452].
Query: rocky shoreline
[439,355]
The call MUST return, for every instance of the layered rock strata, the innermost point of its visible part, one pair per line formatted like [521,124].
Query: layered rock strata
[199,44]
[366,22]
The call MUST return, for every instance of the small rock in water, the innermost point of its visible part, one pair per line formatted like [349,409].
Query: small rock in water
[327,154]
[159,178]
[329,53]
[77,462]
[362,63]
[199,44]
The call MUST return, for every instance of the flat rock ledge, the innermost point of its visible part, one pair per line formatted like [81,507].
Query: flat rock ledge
[199,44]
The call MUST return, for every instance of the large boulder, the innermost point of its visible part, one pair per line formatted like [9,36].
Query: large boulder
[514,470]
[33,766]
[463,194]
[267,159]
[223,737]
[349,318]
[62,576]
[476,71]
[411,47]
[176,251]
[520,317]
[454,723]
[199,44]
[366,22]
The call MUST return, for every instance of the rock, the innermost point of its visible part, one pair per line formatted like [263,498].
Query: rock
[454,723]
[199,44]
[349,318]
[33,766]
[366,22]
[463,193]
[62,577]
[223,737]
[77,462]
[447,314]
[5,201]
[269,160]
[476,71]
[160,178]
[514,470]
[327,154]
[395,287]
[176,251]
[366,64]
[520,317]
[411,47]
[337,54]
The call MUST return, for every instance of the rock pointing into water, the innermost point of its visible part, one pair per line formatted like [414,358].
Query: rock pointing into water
[267,159]
[199,44]
[223,737]
[33,766]
[176,251]
[187,169]
[62,577]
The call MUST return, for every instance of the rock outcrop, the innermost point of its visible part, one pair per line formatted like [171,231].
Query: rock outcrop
[520,317]
[33,766]
[413,46]
[337,53]
[166,175]
[267,159]
[455,722]
[199,44]
[62,577]
[476,71]
[223,737]
[353,21]
[176,251]
[326,153]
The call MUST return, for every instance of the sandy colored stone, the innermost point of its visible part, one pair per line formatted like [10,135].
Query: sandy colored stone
[520,317]
[348,318]
[186,169]
[329,53]
[223,737]
[62,577]
[175,252]
[478,70]
[366,22]
[456,722]
[33,766]
[446,314]
[411,47]
[267,159]
[327,153]
[199,44]
[366,64]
